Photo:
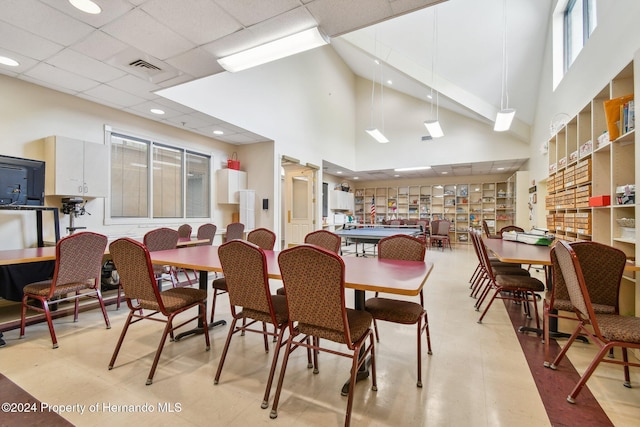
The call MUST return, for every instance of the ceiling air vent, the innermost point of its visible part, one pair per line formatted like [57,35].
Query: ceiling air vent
[141,63]
[426,138]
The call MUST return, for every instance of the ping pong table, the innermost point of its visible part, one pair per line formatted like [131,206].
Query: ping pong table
[372,235]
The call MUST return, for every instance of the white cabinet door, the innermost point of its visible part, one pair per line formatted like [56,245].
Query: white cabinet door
[229,181]
[75,168]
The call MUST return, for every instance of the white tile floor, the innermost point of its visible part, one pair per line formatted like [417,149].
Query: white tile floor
[477,375]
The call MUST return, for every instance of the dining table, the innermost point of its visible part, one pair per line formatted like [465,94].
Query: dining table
[361,275]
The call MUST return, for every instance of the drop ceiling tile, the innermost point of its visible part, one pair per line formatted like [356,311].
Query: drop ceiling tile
[99,101]
[183,78]
[337,17]
[5,71]
[145,109]
[141,31]
[114,96]
[75,62]
[24,62]
[197,62]
[404,6]
[48,84]
[111,10]
[136,86]
[250,12]
[190,121]
[200,21]
[100,46]
[19,40]
[61,78]
[43,20]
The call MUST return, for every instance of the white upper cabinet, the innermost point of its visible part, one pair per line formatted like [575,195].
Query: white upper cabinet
[229,181]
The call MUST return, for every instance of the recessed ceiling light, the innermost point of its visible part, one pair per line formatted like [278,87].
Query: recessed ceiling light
[157,111]
[444,173]
[218,132]
[86,6]
[396,175]
[355,177]
[389,82]
[8,61]
[429,96]
[500,169]
[339,172]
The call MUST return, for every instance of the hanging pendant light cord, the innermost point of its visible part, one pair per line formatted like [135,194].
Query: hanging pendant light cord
[504,96]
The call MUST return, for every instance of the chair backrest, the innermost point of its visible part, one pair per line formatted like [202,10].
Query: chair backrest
[440,227]
[602,268]
[483,254]
[313,279]
[395,222]
[133,263]
[402,247]
[207,231]
[161,239]
[485,228]
[244,265]
[423,224]
[510,228]
[79,258]
[325,239]
[235,230]
[264,238]
[184,231]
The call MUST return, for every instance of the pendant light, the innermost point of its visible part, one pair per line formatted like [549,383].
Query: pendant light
[373,131]
[506,114]
[433,125]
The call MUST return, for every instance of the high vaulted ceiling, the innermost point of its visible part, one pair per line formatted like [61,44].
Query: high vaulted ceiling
[134,48]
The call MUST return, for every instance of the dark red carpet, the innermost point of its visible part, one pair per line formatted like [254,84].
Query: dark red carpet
[555,386]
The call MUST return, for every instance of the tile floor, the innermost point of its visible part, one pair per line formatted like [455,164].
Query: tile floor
[477,375]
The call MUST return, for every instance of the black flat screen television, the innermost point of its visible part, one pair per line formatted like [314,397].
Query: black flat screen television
[21,181]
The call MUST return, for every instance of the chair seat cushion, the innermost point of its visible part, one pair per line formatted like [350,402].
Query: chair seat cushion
[42,288]
[565,305]
[220,284]
[524,283]
[510,271]
[176,298]
[359,324]
[279,307]
[393,310]
[619,328]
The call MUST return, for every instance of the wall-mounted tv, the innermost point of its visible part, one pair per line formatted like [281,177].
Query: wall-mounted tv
[21,181]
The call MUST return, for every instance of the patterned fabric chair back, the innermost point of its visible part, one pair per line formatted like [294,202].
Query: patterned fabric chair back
[244,265]
[161,239]
[440,227]
[184,231]
[265,239]
[314,284]
[485,228]
[510,228]
[133,263]
[207,231]
[402,247]
[79,258]
[573,278]
[325,239]
[235,230]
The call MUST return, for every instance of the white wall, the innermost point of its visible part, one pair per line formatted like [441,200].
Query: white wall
[29,113]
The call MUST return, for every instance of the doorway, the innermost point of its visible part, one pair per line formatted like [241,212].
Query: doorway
[298,183]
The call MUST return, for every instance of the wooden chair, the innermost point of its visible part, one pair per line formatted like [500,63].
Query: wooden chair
[518,288]
[312,274]
[137,277]
[162,239]
[245,269]
[402,247]
[440,233]
[609,330]
[78,267]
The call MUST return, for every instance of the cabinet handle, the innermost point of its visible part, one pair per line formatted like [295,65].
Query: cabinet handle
[86,188]
[80,189]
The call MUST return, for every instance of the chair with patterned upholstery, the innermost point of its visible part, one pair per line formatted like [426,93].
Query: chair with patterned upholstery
[261,237]
[407,248]
[162,239]
[519,288]
[487,231]
[440,229]
[424,230]
[314,282]
[184,231]
[208,232]
[133,262]
[325,239]
[602,283]
[244,265]
[606,330]
[78,267]
[264,238]
[235,230]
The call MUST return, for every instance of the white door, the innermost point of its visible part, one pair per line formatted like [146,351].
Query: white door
[299,215]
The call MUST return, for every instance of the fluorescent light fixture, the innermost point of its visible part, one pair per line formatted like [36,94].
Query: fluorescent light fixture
[415,168]
[504,119]
[433,126]
[276,49]
[377,135]
[8,61]
[86,6]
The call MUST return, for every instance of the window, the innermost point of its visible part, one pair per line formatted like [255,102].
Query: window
[153,180]
[579,23]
